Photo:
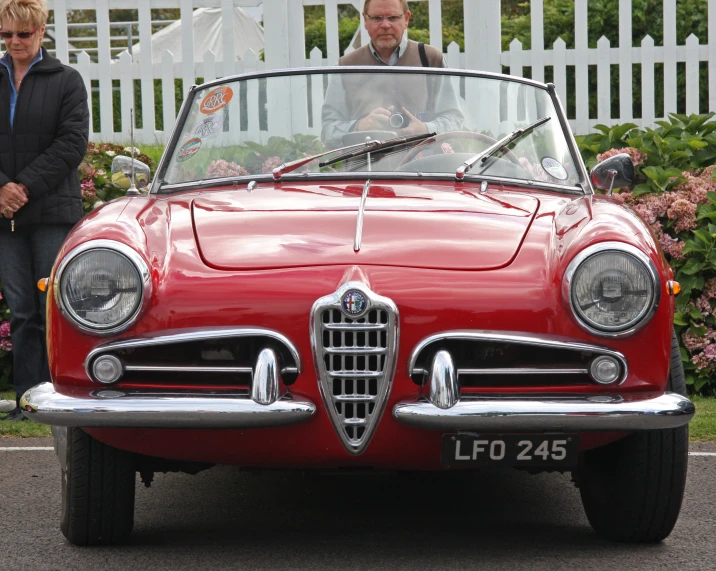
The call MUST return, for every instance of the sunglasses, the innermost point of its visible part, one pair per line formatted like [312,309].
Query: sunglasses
[22,35]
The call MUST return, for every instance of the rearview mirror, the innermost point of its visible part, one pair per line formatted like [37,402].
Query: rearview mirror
[614,172]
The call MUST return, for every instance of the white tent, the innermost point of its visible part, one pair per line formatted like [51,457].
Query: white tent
[248,35]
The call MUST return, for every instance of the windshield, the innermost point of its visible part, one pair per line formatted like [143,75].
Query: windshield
[250,127]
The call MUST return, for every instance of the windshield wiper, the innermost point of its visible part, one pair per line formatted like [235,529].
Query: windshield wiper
[298,163]
[375,145]
[491,150]
[365,147]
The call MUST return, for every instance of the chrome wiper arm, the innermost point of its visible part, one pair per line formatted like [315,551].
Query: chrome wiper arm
[298,163]
[376,146]
[491,150]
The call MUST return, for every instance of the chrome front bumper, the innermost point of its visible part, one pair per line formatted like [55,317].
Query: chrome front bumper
[119,409]
[545,413]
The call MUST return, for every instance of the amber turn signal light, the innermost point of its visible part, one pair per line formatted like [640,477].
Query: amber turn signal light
[673,287]
[42,284]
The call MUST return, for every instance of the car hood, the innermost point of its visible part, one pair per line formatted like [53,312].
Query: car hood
[440,226]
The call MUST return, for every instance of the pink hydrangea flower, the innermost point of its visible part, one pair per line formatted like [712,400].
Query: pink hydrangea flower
[5,345]
[222,169]
[270,164]
[684,212]
[4,329]
[694,343]
[672,246]
[636,156]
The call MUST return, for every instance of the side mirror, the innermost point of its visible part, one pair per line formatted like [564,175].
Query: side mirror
[122,173]
[614,172]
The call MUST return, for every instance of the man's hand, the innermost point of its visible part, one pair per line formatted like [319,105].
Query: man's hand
[12,198]
[415,125]
[376,120]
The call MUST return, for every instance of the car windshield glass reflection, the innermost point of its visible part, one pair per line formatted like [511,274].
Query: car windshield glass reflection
[250,127]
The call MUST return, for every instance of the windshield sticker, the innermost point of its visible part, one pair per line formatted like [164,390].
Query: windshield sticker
[554,168]
[208,127]
[216,99]
[189,149]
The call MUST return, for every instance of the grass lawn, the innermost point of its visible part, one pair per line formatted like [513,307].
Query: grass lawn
[701,429]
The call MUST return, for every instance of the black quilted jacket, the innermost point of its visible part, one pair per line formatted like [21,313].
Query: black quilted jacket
[47,144]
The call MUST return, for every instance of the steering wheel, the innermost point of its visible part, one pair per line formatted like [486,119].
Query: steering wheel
[464,135]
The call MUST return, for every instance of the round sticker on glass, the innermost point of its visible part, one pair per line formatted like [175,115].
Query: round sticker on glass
[188,150]
[216,99]
[208,127]
[554,168]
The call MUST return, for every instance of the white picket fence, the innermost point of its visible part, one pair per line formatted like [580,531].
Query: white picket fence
[285,47]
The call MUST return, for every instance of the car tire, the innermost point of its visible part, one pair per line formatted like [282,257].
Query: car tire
[632,489]
[97,491]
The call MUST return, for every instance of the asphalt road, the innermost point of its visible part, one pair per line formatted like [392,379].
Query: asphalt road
[227,519]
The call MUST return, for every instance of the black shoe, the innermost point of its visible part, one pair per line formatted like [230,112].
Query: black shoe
[15,416]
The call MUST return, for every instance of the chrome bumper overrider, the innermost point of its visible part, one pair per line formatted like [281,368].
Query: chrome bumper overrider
[545,413]
[112,408]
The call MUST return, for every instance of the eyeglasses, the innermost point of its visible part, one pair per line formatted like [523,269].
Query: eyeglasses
[379,19]
[22,35]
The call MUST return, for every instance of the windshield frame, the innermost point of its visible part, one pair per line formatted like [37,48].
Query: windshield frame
[160,186]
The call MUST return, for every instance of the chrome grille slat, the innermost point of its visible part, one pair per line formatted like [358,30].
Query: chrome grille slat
[355,361]
[354,350]
[356,374]
[355,327]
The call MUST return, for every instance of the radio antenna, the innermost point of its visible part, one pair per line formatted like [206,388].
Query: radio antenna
[132,190]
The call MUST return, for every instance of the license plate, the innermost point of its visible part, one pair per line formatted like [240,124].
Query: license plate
[468,449]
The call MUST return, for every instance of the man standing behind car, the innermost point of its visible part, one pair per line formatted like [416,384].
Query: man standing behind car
[386,22]
[44,127]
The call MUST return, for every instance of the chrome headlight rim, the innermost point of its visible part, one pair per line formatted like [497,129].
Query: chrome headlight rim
[133,257]
[622,248]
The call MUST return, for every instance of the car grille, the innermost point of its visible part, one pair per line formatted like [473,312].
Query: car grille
[355,362]
[489,359]
[211,358]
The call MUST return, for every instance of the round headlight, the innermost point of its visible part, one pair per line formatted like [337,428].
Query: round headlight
[612,290]
[102,289]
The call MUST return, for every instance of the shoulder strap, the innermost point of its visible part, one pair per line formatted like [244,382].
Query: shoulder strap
[423,55]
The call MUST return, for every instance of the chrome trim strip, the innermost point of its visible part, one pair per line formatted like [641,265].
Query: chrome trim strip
[512,337]
[168,338]
[371,69]
[571,141]
[134,258]
[172,142]
[162,369]
[117,409]
[522,371]
[375,301]
[619,247]
[388,175]
[361,212]
[545,413]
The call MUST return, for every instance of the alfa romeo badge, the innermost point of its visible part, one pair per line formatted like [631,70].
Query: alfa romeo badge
[354,302]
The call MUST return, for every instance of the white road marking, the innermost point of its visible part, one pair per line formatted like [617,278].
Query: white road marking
[702,453]
[24,448]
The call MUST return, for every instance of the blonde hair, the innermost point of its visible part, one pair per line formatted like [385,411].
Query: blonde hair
[32,13]
[404,4]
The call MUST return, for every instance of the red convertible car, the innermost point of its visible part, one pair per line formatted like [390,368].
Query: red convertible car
[388,269]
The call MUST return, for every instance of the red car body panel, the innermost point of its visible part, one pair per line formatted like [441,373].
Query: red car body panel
[449,257]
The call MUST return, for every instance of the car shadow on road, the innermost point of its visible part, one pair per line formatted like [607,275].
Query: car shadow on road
[397,516]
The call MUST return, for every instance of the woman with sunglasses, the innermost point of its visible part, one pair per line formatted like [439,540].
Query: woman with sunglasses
[44,126]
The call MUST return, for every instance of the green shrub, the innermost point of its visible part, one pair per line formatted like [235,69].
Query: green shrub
[675,193]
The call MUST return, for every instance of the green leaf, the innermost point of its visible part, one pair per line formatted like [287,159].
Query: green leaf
[641,189]
[680,320]
[692,266]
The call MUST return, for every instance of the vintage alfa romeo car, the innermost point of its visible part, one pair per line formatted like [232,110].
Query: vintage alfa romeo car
[389,269]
